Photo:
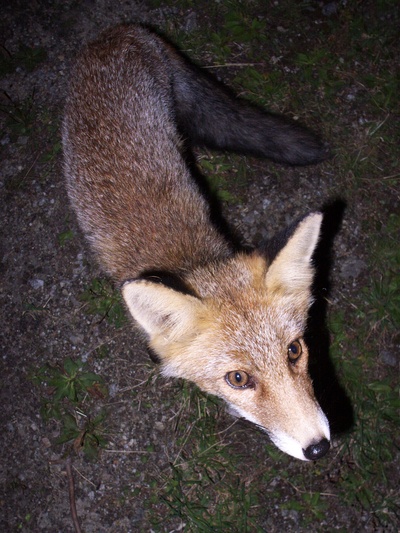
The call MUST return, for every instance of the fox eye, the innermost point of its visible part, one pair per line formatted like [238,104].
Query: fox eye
[238,379]
[294,351]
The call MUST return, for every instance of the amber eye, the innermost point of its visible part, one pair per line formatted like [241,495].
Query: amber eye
[294,351]
[238,379]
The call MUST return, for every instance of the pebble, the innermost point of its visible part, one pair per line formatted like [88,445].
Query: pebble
[36,283]
[352,268]
[389,358]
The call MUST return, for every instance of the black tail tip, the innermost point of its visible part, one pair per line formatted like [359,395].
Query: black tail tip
[313,151]
[318,450]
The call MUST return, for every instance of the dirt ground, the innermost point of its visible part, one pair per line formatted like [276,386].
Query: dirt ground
[46,266]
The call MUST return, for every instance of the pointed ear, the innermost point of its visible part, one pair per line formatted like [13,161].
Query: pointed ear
[291,271]
[161,310]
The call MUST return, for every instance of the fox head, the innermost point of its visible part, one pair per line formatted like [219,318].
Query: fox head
[238,332]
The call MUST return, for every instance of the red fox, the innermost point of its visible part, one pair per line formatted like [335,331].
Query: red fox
[231,321]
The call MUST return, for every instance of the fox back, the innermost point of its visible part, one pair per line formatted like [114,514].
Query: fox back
[230,321]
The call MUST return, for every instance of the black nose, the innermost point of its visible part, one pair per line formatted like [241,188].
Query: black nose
[315,451]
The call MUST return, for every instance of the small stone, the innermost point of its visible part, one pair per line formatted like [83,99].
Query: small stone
[36,283]
[159,426]
[389,358]
[46,442]
[352,268]
[330,9]
[76,339]
[190,23]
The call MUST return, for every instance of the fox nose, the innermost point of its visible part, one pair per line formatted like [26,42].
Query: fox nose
[316,451]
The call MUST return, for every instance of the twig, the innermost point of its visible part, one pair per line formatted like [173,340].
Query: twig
[83,477]
[227,65]
[71,490]
[127,451]
[27,172]
[301,491]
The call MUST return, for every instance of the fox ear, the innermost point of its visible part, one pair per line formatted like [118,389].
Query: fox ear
[161,310]
[291,271]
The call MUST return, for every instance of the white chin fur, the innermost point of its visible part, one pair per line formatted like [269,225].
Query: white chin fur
[281,440]
[291,446]
[288,445]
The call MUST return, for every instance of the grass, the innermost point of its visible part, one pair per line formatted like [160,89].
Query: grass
[344,71]
[348,63]
[202,487]
[25,57]
[373,329]
[226,176]
[20,114]
[25,120]
[72,396]
[102,299]
[27,123]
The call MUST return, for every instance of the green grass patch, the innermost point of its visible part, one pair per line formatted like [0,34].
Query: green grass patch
[342,70]
[26,57]
[102,299]
[203,485]
[359,342]
[20,115]
[65,236]
[226,176]
[72,395]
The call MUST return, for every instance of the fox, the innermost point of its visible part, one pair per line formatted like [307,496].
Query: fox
[227,318]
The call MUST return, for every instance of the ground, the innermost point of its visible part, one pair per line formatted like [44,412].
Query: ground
[82,403]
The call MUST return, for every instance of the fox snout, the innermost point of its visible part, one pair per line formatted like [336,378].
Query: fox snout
[315,451]
[311,453]
[287,411]
[308,449]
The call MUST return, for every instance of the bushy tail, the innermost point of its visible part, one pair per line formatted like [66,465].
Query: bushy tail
[210,115]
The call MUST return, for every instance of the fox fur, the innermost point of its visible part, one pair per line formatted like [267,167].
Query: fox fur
[230,321]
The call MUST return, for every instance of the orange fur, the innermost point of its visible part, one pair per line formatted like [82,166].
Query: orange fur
[231,322]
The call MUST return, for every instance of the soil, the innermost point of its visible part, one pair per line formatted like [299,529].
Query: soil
[44,318]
